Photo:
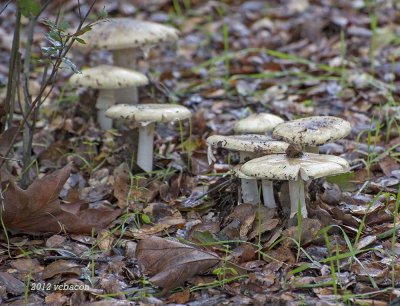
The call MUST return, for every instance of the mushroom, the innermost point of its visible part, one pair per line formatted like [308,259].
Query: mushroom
[257,124]
[146,115]
[107,79]
[296,170]
[312,132]
[249,146]
[124,37]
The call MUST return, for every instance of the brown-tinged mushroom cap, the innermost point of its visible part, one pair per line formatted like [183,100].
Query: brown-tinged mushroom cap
[257,124]
[281,167]
[108,77]
[126,33]
[312,131]
[148,112]
[248,143]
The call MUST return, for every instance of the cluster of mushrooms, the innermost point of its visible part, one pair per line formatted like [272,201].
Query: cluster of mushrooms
[117,84]
[271,149]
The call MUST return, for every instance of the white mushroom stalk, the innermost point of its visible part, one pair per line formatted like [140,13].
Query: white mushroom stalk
[126,58]
[104,101]
[297,198]
[147,115]
[145,146]
[296,170]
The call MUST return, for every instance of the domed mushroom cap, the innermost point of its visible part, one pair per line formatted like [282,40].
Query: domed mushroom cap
[282,167]
[108,77]
[126,33]
[257,124]
[148,112]
[312,131]
[248,143]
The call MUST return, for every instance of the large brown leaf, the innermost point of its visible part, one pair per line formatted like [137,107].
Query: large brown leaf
[38,209]
[171,263]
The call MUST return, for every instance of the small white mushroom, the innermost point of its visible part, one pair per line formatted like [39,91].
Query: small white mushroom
[146,115]
[126,38]
[107,79]
[296,170]
[250,146]
[312,132]
[259,123]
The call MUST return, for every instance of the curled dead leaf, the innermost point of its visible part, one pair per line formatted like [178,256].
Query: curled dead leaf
[171,263]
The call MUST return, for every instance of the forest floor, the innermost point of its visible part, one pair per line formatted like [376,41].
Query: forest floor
[292,58]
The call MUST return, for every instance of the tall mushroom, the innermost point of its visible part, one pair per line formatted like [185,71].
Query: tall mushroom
[147,115]
[296,170]
[125,38]
[107,79]
[249,146]
[259,123]
[312,132]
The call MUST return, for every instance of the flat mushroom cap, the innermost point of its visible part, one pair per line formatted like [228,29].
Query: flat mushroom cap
[108,77]
[281,167]
[312,131]
[126,33]
[148,112]
[248,143]
[257,124]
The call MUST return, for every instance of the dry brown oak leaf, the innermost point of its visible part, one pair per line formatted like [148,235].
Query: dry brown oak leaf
[38,209]
[171,263]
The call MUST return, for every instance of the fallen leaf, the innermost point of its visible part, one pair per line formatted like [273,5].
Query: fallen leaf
[171,263]
[61,267]
[38,209]
[13,285]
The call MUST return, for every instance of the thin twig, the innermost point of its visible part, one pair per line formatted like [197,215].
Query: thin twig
[48,258]
[5,6]
[37,101]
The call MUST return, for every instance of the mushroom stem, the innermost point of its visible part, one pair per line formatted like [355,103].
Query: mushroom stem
[311,149]
[296,191]
[249,186]
[105,100]
[268,194]
[145,146]
[126,58]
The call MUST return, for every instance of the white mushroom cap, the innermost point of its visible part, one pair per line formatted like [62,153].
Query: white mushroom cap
[312,131]
[257,124]
[248,143]
[126,33]
[148,112]
[281,167]
[108,77]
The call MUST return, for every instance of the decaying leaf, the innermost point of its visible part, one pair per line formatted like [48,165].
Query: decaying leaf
[171,263]
[38,209]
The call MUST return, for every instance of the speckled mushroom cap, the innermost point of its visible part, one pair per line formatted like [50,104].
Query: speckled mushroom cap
[126,33]
[108,77]
[248,143]
[281,167]
[240,174]
[257,124]
[312,131]
[148,112]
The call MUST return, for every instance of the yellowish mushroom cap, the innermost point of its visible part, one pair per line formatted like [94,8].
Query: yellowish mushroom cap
[127,33]
[312,131]
[108,77]
[282,167]
[148,112]
[257,124]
